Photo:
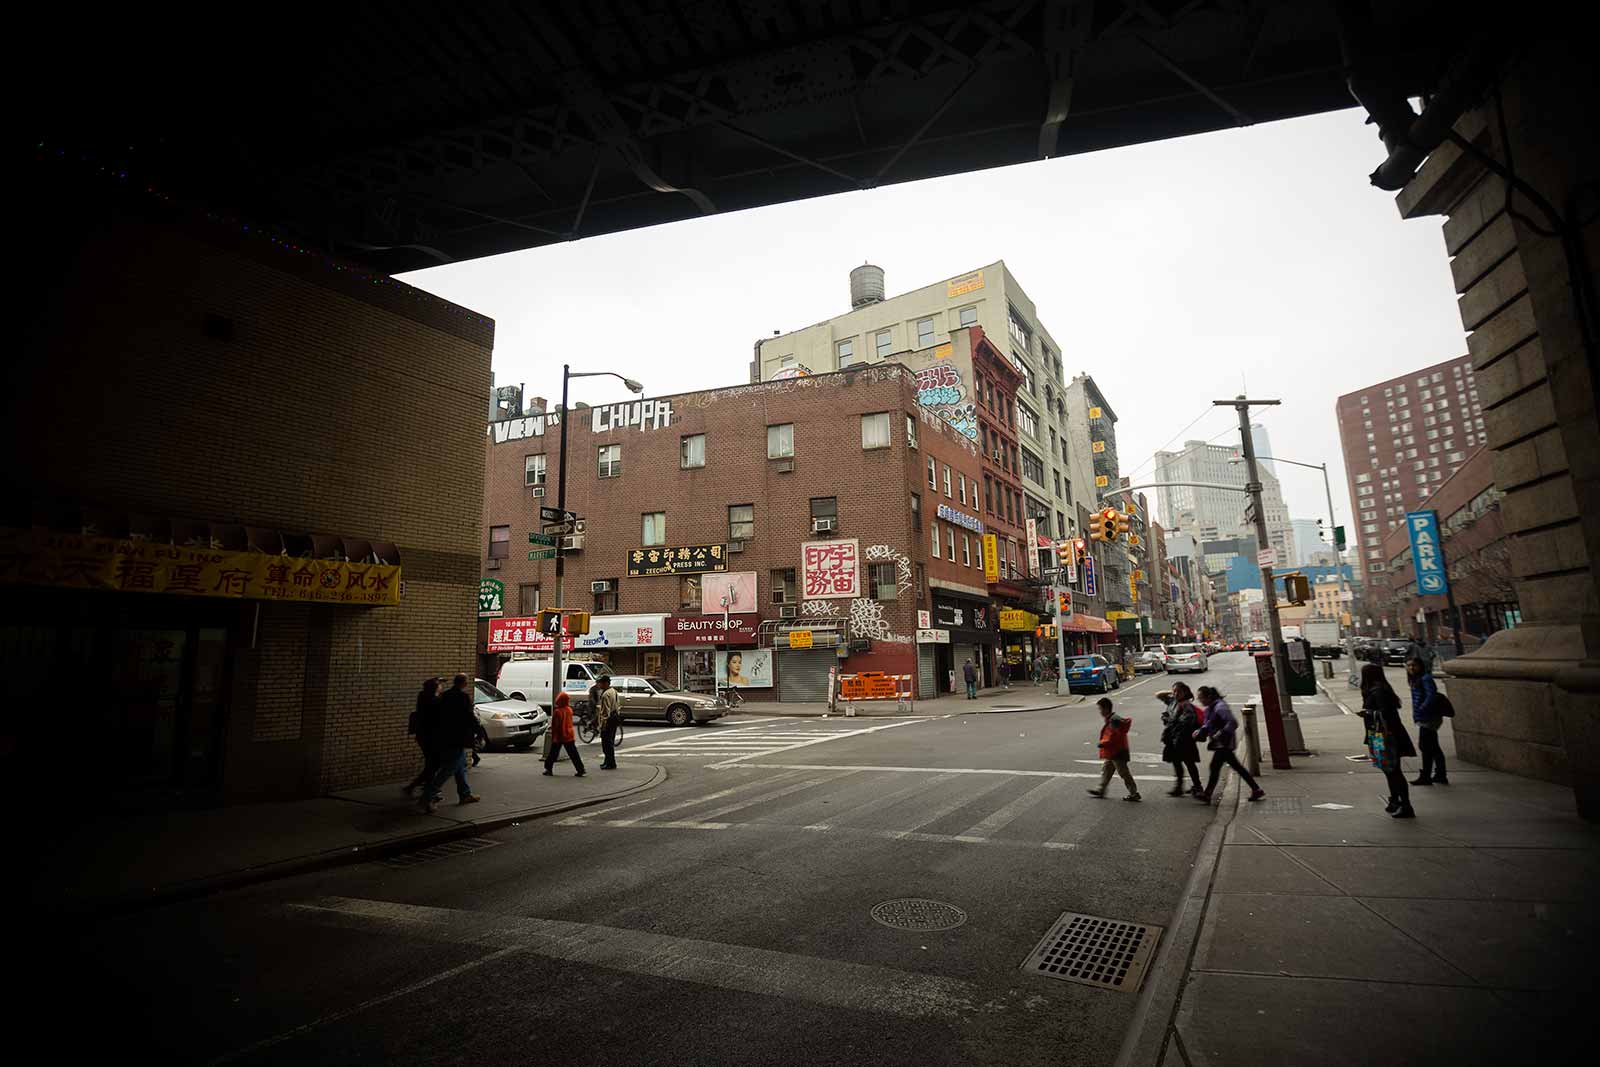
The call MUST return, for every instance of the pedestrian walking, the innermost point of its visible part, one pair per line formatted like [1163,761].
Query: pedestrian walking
[423,724]
[457,726]
[1221,729]
[1429,708]
[608,713]
[563,736]
[1387,740]
[1179,722]
[969,674]
[1114,750]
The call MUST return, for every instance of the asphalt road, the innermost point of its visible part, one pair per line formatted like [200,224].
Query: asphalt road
[723,917]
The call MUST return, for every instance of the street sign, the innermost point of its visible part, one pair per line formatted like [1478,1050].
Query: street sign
[556,515]
[558,529]
[799,638]
[1338,538]
[1427,553]
[1267,557]
[541,539]
[542,553]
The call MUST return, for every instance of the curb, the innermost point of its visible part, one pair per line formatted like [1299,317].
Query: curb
[268,872]
[1144,1044]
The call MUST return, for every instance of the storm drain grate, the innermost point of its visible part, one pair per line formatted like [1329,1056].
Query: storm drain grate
[914,913]
[1087,949]
[1278,806]
[439,852]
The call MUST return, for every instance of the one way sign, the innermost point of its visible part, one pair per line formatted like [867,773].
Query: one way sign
[556,515]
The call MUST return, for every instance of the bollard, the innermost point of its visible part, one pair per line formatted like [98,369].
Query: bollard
[1252,742]
[1327,668]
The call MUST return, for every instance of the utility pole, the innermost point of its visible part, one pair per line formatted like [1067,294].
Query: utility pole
[1280,661]
[557,682]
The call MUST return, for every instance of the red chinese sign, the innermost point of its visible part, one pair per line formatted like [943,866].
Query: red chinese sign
[522,635]
[830,570]
[712,630]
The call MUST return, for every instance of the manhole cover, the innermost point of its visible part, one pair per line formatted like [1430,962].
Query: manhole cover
[917,914]
[439,852]
[1087,949]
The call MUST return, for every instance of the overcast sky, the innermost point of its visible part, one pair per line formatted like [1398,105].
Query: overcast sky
[1172,272]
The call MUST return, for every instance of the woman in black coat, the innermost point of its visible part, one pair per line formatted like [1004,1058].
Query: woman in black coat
[1387,740]
[1178,747]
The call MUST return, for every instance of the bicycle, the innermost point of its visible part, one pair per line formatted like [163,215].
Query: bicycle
[730,696]
[589,728]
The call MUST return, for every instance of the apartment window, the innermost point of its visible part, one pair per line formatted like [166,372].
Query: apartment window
[924,333]
[824,507]
[933,474]
[988,495]
[528,600]
[947,492]
[1019,331]
[968,316]
[1061,525]
[875,430]
[883,342]
[921,574]
[979,550]
[533,470]
[933,543]
[782,585]
[1057,475]
[610,461]
[1362,479]
[1032,465]
[692,451]
[1028,419]
[1053,444]
[884,585]
[916,511]
[654,528]
[846,351]
[966,551]
[606,601]
[961,486]
[741,522]
[950,542]
[689,592]
[499,542]
[780,441]
[911,431]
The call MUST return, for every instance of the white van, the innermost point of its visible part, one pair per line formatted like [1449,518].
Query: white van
[529,679]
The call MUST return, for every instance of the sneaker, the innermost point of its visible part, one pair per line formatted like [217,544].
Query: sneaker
[581,774]
[1096,792]
[426,806]
[1422,781]
[1257,794]
[1392,806]
[1440,779]
[1133,797]
[470,798]
[549,774]
[1405,812]
[1195,791]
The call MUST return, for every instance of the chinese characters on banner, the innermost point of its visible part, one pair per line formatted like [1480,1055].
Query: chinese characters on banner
[1427,555]
[69,561]
[991,558]
[1090,586]
[683,559]
[491,598]
[522,635]
[830,569]
[1030,562]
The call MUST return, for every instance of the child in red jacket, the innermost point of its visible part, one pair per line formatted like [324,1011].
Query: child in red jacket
[1114,750]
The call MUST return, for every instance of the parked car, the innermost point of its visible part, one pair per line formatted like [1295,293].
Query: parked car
[1092,672]
[1150,661]
[1257,644]
[1394,652]
[529,679]
[654,698]
[1187,658]
[503,722]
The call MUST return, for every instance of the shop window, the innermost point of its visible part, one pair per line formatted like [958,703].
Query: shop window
[499,542]
[884,585]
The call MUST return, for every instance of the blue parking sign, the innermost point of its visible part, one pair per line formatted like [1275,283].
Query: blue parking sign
[1427,552]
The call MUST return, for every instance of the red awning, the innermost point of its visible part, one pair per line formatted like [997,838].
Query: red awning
[1087,624]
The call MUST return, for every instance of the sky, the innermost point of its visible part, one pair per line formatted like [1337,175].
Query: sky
[1176,273]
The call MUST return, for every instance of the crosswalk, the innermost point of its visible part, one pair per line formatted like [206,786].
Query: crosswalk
[1028,809]
[728,746]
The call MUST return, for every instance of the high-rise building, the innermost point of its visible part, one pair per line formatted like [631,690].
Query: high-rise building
[1308,541]
[1218,514]
[1401,438]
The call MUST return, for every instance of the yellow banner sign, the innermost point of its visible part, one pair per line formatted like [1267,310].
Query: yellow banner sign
[799,638]
[1095,413]
[1098,446]
[68,561]
[991,558]
[1018,620]
[1101,481]
[967,283]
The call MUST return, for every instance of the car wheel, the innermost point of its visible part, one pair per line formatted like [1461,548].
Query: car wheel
[480,741]
[678,715]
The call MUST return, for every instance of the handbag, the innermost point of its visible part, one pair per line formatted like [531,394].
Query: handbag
[1442,705]
[1378,745]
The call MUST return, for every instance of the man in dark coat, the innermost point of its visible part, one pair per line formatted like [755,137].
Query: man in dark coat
[423,725]
[457,725]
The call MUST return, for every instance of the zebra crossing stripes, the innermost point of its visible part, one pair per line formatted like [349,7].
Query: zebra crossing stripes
[730,746]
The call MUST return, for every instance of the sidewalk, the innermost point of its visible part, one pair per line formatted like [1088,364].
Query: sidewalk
[1321,931]
[114,859]
[1022,696]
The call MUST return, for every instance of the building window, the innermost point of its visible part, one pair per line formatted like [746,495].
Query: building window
[961,484]
[911,431]
[1032,466]
[884,585]
[1061,525]
[968,316]
[916,511]
[499,542]
[883,342]
[610,461]
[689,592]
[533,470]
[924,333]
[1019,332]
[780,441]
[947,491]
[980,553]
[966,551]
[1028,418]
[741,522]
[921,574]
[528,600]
[655,528]
[988,495]
[846,351]
[692,451]
[933,544]
[824,507]
[606,601]
[875,430]
[933,475]
[782,584]
[1058,480]
[950,543]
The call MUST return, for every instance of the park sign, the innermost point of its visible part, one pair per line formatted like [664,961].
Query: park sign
[1427,553]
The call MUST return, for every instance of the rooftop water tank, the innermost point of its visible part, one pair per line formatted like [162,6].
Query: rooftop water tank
[866,285]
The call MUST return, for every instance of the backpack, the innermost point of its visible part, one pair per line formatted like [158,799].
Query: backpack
[412,723]
[1442,705]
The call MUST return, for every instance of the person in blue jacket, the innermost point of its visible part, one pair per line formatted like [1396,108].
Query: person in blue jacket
[1427,711]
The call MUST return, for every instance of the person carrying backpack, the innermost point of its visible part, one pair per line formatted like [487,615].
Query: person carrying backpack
[1429,709]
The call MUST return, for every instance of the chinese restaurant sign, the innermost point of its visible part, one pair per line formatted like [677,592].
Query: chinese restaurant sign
[830,570]
[68,561]
[491,598]
[684,559]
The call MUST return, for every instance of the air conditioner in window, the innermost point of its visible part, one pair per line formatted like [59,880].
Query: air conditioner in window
[789,611]
[538,490]
[783,466]
[822,525]
[494,564]
[572,543]
[600,587]
[735,546]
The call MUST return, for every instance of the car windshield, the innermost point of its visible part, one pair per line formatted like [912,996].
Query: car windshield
[1182,650]
[1083,662]
[661,685]
[487,694]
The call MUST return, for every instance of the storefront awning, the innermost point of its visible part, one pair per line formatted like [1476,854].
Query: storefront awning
[1086,624]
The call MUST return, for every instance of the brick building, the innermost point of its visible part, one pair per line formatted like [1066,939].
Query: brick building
[275,457]
[763,494]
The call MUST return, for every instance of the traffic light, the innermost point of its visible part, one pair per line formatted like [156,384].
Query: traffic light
[1103,526]
[1120,524]
[1065,554]
[550,623]
[1296,588]
[577,623]
[1064,604]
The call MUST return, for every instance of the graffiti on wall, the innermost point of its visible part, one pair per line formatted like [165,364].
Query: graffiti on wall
[941,390]
[902,565]
[523,428]
[819,609]
[866,620]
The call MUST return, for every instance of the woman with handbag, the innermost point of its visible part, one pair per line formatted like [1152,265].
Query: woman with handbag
[1178,747]
[1387,740]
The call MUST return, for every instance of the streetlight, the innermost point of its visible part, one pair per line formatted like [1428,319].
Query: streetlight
[1338,556]
[561,506]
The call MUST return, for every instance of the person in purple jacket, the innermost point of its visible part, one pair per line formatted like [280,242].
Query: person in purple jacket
[1223,730]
